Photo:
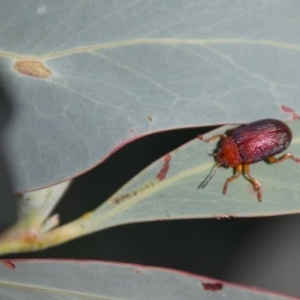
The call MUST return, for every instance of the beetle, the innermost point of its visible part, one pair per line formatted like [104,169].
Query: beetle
[248,144]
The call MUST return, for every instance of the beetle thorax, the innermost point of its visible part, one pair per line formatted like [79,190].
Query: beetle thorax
[228,153]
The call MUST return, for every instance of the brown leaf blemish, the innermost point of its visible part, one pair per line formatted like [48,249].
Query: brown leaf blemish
[164,170]
[133,193]
[212,286]
[30,237]
[32,68]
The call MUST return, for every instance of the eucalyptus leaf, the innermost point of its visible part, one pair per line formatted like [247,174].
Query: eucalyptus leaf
[147,198]
[87,76]
[50,279]
[168,190]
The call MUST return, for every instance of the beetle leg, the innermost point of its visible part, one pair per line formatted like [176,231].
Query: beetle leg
[217,136]
[273,159]
[256,184]
[239,169]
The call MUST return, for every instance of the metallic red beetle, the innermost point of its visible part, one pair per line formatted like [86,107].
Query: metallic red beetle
[248,144]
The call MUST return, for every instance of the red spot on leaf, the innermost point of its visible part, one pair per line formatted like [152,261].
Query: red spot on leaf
[9,264]
[287,109]
[161,175]
[212,286]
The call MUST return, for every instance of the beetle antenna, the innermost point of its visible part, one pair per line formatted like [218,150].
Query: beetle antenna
[212,154]
[212,174]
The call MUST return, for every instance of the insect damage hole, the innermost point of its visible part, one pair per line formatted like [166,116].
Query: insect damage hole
[32,68]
